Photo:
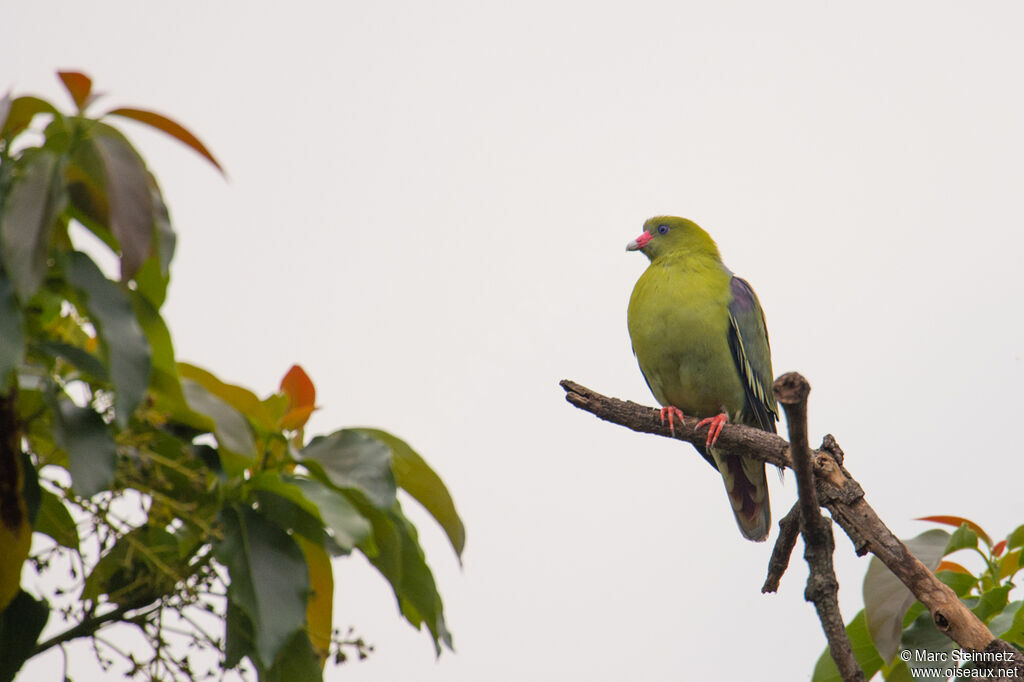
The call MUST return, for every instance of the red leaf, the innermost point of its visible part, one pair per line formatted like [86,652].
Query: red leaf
[299,388]
[952,566]
[956,522]
[998,549]
[79,85]
[172,128]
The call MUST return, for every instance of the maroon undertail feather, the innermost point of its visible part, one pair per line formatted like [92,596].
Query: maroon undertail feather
[742,490]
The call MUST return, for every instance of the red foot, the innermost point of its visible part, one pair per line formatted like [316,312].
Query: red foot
[714,425]
[672,413]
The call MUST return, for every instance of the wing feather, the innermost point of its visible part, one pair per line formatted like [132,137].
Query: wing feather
[748,342]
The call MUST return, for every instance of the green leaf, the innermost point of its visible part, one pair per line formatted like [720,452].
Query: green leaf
[242,399]
[163,380]
[238,637]
[5,108]
[962,538]
[12,331]
[961,583]
[296,663]
[886,599]
[1015,633]
[128,193]
[992,602]
[154,275]
[20,625]
[92,454]
[30,209]
[123,342]
[1016,538]
[1003,623]
[925,642]
[31,492]
[285,505]
[348,527]
[79,358]
[269,579]
[400,559]
[415,476]
[292,664]
[229,426]
[21,113]
[351,459]
[55,520]
[863,650]
[87,188]
[898,673]
[1009,564]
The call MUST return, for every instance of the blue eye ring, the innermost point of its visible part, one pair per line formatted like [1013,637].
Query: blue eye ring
[662,229]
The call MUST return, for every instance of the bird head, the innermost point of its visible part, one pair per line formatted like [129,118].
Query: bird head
[671,235]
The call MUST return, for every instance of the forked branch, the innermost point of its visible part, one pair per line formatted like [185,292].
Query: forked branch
[838,492]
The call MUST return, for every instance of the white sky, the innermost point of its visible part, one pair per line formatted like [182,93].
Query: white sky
[428,207]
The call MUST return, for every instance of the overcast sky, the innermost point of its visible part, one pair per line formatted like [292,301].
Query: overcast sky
[427,208]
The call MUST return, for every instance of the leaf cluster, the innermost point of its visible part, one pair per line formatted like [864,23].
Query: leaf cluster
[894,633]
[167,491]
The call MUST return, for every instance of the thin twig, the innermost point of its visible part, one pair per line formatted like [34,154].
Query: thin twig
[90,625]
[789,531]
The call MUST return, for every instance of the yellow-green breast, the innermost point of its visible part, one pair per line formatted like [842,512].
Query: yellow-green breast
[678,320]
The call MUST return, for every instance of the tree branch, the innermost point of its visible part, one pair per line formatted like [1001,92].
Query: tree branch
[789,529]
[791,390]
[91,625]
[838,492]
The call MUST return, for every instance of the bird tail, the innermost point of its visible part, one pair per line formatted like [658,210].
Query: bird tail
[748,494]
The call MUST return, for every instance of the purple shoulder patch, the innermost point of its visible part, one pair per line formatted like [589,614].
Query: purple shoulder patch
[742,295]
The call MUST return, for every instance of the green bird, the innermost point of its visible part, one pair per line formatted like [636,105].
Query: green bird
[699,335]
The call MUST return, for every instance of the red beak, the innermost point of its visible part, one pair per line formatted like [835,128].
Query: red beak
[640,242]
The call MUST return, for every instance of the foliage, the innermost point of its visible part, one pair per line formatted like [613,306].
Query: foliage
[176,501]
[894,633]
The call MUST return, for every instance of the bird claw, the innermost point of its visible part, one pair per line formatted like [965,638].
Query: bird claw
[714,425]
[672,413]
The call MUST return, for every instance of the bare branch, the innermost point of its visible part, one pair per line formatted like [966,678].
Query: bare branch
[838,492]
[789,530]
[791,390]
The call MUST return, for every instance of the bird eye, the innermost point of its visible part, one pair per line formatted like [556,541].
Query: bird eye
[662,229]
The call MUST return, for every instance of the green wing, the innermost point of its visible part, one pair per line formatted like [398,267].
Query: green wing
[748,341]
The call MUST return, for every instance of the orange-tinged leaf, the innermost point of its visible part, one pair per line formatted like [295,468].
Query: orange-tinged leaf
[296,417]
[320,609]
[958,521]
[79,85]
[998,549]
[1010,564]
[172,128]
[299,388]
[952,566]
